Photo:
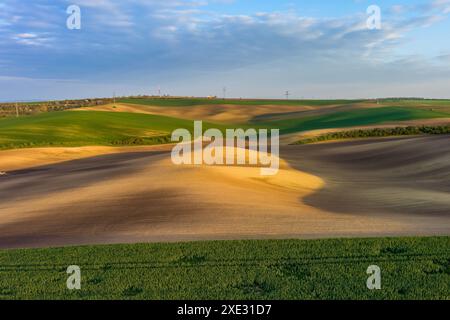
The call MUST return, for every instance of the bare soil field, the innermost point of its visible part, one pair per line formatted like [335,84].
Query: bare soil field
[17,159]
[232,113]
[217,113]
[376,187]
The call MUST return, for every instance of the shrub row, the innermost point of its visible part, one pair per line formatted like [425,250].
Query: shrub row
[378,132]
[135,141]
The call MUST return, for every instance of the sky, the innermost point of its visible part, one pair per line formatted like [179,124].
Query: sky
[253,48]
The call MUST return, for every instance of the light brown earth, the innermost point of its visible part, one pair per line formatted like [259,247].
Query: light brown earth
[236,114]
[18,159]
[216,113]
[231,113]
[376,187]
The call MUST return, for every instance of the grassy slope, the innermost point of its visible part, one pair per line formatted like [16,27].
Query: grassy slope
[412,268]
[355,118]
[87,128]
[189,102]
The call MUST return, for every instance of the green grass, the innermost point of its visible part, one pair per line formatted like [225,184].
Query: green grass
[434,105]
[89,128]
[412,268]
[354,118]
[378,132]
[189,102]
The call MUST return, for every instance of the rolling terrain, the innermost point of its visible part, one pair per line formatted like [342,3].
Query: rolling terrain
[93,175]
[103,175]
[393,186]
[138,124]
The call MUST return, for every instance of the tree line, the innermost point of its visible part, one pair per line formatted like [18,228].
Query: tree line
[378,132]
[29,108]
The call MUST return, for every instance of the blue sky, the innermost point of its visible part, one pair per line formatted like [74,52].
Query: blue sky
[255,48]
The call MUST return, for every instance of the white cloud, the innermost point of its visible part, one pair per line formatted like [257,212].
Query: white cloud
[443,5]
[33,39]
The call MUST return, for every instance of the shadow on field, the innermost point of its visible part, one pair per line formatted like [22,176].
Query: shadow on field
[379,176]
[41,181]
[86,222]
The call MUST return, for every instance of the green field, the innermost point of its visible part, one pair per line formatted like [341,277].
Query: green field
[411,268]
[354,118]
[82,128]
[431,105]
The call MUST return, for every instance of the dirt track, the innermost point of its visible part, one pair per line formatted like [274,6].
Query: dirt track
[393,186]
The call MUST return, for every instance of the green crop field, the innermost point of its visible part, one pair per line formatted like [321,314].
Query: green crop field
[432,105]
[353,118]
[411,268]
[81,128]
